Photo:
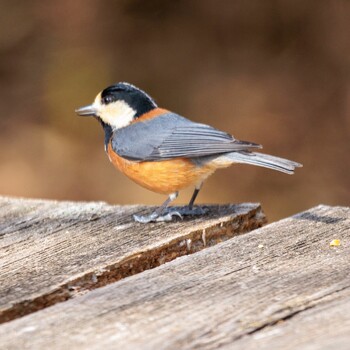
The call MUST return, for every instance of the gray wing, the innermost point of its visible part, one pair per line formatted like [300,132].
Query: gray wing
[172,136]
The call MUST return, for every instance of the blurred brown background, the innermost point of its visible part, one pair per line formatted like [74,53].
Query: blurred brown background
[273,72]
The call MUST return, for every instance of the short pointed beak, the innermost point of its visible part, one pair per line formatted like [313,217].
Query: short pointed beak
[86,111]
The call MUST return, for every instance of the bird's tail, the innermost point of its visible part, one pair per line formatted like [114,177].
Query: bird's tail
[260,159]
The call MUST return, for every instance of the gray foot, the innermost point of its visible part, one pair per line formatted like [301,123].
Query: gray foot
[154,217]
[195,211]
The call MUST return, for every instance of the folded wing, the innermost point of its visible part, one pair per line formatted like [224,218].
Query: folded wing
[171,136]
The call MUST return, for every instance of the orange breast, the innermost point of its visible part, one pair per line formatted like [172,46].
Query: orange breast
[166,176]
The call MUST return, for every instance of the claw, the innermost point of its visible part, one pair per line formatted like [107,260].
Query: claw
[169,216]
[197,211]
[154,217]
[146,219]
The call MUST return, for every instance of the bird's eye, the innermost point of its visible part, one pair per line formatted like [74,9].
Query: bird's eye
[107,99]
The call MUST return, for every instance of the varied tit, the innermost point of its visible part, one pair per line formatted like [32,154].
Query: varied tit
[165,152]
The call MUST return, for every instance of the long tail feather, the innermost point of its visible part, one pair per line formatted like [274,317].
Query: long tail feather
[263,160]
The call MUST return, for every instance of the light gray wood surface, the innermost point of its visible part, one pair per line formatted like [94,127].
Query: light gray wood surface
[280,287]
[53,251]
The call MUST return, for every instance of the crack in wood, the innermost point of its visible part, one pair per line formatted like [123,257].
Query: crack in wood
[292,311]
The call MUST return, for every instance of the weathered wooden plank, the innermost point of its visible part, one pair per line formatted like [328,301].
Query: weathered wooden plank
[322,326]
[52,251]
[223,296]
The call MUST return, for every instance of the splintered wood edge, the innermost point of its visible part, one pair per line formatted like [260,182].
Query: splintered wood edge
[231,225]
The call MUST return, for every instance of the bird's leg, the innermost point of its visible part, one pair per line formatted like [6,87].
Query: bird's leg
[189,210]
[157,214]
[194,195]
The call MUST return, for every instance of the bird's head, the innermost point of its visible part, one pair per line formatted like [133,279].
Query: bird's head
[118,105]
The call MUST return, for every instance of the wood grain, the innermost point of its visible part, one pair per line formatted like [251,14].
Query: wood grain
[281,286]
[325,325]
[52,251]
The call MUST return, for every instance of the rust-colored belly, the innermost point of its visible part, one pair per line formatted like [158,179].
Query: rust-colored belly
[164,177]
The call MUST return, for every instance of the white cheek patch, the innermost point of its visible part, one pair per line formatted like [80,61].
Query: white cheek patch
[116,114]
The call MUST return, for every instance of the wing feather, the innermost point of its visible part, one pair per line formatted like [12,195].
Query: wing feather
[172,136]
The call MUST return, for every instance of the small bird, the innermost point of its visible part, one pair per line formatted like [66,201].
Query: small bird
[165,152]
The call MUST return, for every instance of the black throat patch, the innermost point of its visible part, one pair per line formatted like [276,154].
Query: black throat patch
[108,132]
